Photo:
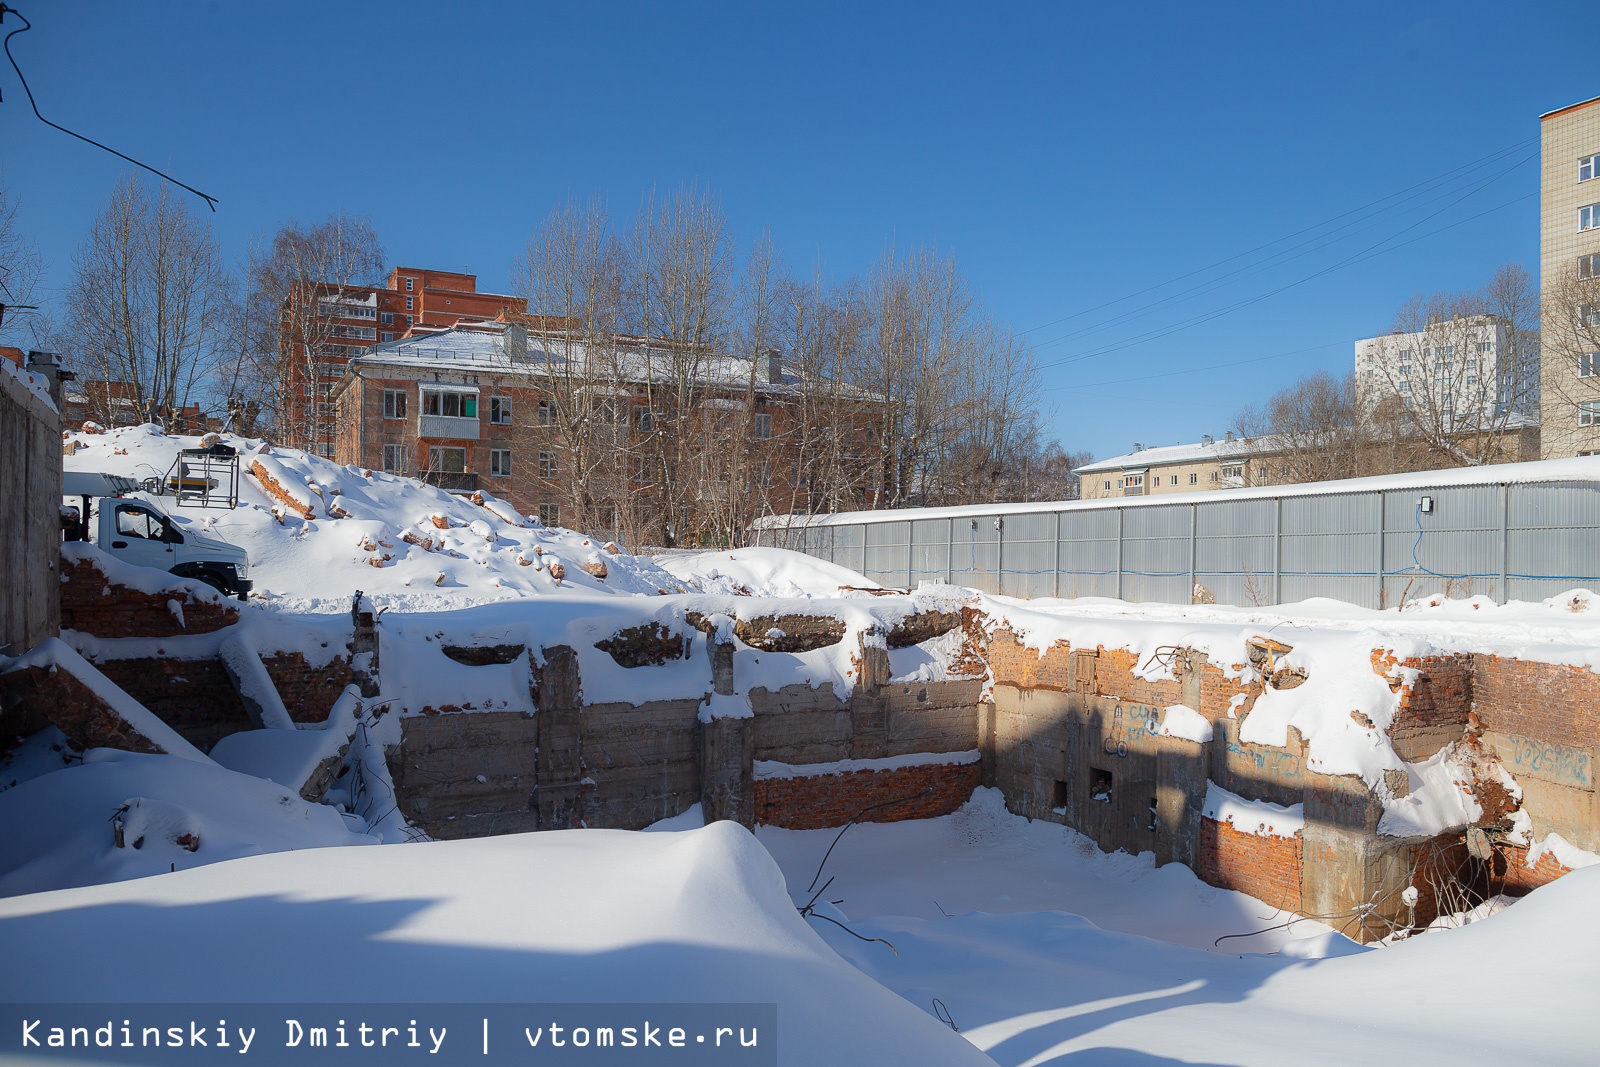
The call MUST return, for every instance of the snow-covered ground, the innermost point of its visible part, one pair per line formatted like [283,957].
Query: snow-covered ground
[571,916]
[774,572]
[311,566]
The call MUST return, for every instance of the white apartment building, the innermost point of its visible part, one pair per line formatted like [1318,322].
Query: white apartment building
[1569,279]
[1468,372]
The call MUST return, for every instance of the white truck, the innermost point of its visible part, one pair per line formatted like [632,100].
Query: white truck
[132,526]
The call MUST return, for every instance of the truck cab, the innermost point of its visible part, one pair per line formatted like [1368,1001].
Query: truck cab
[134,528]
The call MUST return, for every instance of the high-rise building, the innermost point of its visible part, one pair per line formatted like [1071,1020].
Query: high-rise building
[1569,279]
[1461,374]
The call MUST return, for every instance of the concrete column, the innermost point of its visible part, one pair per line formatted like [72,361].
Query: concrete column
[727,781]
[364,646]
[559,794]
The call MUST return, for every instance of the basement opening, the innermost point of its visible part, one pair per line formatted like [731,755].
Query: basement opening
[1100,785]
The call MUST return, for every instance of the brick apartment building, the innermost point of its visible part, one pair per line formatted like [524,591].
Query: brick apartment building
[347,320]
[486,406]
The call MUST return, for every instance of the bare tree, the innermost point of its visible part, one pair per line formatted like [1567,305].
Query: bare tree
[288,335]
[21,267]
[1316,429]
[146,305]
[1571,366]
[1462,369]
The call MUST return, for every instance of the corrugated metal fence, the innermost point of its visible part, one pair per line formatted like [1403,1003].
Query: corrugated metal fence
[1375,548]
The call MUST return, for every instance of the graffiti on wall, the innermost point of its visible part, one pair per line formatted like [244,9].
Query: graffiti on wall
[1268,762]
[1547,760]
[1130,722]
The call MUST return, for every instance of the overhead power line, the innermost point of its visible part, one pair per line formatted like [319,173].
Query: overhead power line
[211,201]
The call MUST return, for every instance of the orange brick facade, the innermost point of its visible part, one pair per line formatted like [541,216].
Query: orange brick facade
[822,801]
[1266,867]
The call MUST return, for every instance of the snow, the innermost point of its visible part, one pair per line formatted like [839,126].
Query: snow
[33,382]
[313,566]
[288,756]
[56,830]
[1180,720]
[774,572]
[1565,853]
[772,769]
[1046,951]
[1259,818]
[568,916]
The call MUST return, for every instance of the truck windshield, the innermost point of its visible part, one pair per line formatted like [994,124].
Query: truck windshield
[136,522]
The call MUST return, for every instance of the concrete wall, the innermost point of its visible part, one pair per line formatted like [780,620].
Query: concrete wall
[30,529]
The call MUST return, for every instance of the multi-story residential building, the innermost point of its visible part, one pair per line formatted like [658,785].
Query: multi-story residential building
[597,436]
[1569,278]
[1471,372]
[339,323]
[1230,463]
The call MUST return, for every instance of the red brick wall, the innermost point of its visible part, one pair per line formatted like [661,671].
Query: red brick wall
[192,696]
[91,604]
[1543,700]
[308,692]
[826,800]
[1518,878]
[1016,665]
[1268,868]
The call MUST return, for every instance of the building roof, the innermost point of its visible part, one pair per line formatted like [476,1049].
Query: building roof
[1167,455]
[1569,107]
[482,348]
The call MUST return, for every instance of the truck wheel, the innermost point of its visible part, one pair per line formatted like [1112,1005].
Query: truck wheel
[215,580]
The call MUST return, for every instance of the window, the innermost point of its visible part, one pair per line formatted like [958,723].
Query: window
[1132,481]
[1484,348]
[1589,413]
[394,404]
[1215,476]
[450,405]
[550,514]
[409,282]
[1194,479]
[764,474]
[1588,315]
[386,337]
[394,458]
[641,418]
[1472,379]
[1234,470]
[1405,355]
[1108,485]
[1405,388]
[763,427]
[1589,217]
[448,460]
[500,462]
[408,321]
[410,305]
[137,522]
[500,410]
[1589,266]
[1588,167]
[547,413]
[360,333]
[549,465]
[1588,364]
[387,318]
[1174,480]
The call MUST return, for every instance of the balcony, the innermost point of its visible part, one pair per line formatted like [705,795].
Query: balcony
[447,426]
[451,481]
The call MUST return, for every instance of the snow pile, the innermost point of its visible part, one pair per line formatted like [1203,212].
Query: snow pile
[1259,818]
[774,572]
[59,830]
[571,916]
[32,381]
[408,545]
[1180,720]
[772,770]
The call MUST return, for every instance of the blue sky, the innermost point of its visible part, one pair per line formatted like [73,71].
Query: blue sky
[1069,156]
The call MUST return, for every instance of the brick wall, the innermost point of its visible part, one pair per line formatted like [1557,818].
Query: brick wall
[308,692]
[826,800]
[1517,878]
[1543,700]
[91,604]
[1268,868]
[193,696]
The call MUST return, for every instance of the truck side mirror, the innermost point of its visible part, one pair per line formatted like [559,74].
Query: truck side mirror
[171,535]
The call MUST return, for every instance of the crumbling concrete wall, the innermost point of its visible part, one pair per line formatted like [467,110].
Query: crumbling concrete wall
[30,529]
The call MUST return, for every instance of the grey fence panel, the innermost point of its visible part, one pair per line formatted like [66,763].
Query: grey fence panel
[975,553]
[1521,540]
[849,547]
[888,554]
[930,551]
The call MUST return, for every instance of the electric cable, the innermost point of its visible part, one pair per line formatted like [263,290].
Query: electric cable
[211,201]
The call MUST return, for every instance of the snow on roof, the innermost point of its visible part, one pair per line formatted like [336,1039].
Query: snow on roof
[1164,455]
[34,383]
[483,349]
[1577,469]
